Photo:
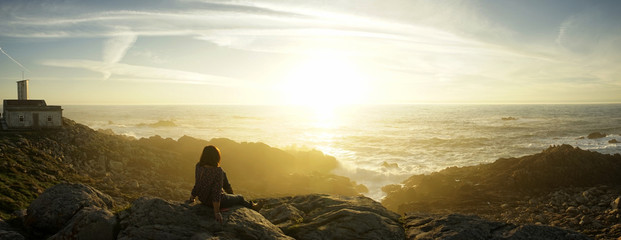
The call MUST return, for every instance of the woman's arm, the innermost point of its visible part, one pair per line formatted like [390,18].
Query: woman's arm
[194,192]
[216,211]
[225,184]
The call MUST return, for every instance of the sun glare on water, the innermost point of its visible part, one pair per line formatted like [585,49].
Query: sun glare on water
[325,81]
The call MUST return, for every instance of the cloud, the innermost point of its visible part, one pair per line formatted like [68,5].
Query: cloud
[115,49]
[433,44]
[144,74]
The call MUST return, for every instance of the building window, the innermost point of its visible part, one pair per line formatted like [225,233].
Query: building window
[49,118]
[21,118]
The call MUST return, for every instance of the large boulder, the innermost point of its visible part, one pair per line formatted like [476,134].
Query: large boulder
[90,223]
[455,226]
[156,218]
[320,216]
[53,209]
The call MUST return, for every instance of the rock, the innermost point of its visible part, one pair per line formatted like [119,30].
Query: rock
[390,165]
[615,230]
[596,135]
[52,210]
[585,220]
[455,226]
[283,215]
[87,221]
[615,203]
[155,218]
[7,233]
[613,141]
[10,235]
[509,118]
[133,184]
[333,217]
[116,166]
[20,215]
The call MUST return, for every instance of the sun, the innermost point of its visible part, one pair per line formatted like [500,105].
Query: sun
[325,81]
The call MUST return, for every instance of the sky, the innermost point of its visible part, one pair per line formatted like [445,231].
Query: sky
[311,52]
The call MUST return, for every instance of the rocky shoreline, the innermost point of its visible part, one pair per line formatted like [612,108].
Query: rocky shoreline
[562,186]
[563,192]
[78,211]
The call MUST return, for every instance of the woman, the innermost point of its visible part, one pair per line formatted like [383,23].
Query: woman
[209,181]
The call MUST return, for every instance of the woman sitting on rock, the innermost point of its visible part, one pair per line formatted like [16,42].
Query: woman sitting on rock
[209,182]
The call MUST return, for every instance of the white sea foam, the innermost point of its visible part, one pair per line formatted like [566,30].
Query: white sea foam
[418,138]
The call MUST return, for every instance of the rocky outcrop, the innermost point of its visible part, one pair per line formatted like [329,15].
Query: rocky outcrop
[51,211]
[333,217]
[315,216]
[86,211]
[82,213]
[155,218]
[455,226]
[562,186]
[592,211]
[127,168]
[596,135]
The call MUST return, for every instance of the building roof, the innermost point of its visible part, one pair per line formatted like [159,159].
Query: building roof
[39,105]
[24,103]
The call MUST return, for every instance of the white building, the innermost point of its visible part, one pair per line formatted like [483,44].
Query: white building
[29,114]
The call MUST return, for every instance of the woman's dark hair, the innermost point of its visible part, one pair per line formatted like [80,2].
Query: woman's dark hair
[210,156]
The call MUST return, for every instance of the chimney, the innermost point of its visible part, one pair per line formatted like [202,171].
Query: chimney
[22,90]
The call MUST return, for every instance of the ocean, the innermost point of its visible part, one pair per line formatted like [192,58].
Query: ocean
[380,144]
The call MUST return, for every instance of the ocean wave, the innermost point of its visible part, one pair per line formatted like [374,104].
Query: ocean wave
[452,142]
[160,123]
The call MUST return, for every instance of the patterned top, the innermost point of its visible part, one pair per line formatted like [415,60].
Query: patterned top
[208,184]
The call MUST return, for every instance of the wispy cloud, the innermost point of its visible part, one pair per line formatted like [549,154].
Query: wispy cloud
[142,73]
[115,49]
[439,44]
